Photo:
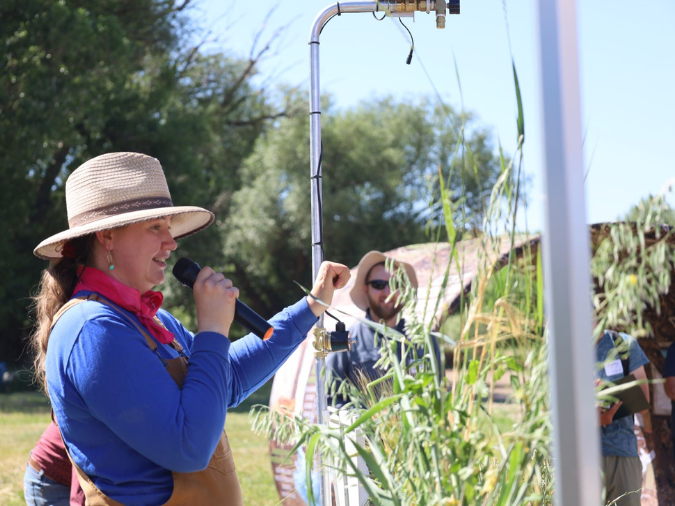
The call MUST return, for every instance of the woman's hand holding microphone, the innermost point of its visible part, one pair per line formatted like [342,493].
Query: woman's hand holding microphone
[215,296]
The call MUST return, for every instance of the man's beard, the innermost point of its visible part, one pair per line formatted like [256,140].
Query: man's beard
[381,311]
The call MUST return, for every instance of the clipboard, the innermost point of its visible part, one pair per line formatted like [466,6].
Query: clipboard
[633,398]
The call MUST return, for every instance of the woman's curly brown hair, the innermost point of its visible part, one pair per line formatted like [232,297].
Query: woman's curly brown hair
[56,288]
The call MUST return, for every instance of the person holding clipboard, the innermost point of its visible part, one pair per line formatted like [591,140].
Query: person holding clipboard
[620,355]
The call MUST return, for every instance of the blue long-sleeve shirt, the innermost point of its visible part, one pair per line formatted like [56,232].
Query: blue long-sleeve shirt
[124,419]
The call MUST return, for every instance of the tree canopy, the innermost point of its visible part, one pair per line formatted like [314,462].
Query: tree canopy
[82,78]
[380,167]
[86,77]
[650,208]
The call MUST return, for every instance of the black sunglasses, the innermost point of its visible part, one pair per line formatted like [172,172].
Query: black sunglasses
[378,284]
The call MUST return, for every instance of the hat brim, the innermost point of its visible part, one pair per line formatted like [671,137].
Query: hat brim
[357,293]
[187,221]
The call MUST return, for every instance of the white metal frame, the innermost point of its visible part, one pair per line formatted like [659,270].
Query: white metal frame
[567,261]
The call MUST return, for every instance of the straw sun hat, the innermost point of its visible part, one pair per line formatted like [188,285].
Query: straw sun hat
[118,189]
[370,259]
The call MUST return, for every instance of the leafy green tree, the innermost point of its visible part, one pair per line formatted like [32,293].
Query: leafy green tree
[380,166]
[85,77]
[652,208]
[632,265]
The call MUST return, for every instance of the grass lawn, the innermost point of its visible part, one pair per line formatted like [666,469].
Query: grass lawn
[23,417]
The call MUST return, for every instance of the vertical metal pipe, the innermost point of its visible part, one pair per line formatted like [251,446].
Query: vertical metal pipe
[317,235]
[567,262]
[316,210]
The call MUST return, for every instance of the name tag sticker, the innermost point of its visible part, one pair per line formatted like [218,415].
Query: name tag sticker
[613,368]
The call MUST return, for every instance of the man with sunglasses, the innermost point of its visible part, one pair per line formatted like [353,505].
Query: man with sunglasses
[371,293]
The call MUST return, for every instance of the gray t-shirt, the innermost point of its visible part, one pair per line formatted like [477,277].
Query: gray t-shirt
[618,438]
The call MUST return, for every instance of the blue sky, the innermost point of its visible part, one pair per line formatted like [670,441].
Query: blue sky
[627,69]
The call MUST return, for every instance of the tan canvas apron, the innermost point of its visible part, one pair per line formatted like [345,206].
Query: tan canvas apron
[217,485]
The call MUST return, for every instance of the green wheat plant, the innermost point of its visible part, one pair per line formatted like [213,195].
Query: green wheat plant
[432,440]
[428,438]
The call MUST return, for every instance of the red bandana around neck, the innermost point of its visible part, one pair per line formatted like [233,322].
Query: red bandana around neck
[144,306]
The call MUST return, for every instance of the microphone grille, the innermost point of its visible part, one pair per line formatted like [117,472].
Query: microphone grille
[186,271]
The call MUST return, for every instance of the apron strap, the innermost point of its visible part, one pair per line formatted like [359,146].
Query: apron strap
[94,497]
[177,369]
[69,304]
[151,342]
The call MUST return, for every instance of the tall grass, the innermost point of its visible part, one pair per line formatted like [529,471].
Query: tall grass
[428,441]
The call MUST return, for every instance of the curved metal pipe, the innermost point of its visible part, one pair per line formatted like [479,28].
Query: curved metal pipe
[338,8]
[316,188]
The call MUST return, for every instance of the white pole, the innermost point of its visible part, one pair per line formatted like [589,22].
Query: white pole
[567,262]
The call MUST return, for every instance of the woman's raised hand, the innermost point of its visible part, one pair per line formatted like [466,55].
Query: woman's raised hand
[215,298]
[331,277]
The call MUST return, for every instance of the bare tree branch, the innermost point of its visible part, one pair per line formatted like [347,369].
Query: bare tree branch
[178,9]
[254,58]
[228,99]
[191,55]
[227,15]
[277,76]
[188,60]
[260,31]
[233,105]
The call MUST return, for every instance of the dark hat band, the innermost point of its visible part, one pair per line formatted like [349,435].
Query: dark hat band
[119,208]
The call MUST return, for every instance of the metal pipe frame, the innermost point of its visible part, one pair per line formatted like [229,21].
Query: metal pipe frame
[346,7]
[567,260]
[566,247]
[317,198]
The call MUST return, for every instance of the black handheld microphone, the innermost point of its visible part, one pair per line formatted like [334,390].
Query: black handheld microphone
[186,272]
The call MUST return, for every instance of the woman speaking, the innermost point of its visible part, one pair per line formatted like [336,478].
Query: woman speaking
[140,401]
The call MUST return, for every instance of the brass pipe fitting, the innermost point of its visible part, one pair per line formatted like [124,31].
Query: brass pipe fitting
[326,342]
[321,342]
[440,13]
[410,6]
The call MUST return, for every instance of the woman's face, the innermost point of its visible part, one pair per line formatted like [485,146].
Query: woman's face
[140,252]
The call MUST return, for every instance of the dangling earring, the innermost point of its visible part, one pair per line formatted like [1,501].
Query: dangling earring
[111,265]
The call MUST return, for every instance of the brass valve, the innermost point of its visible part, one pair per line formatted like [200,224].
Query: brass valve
[326,342]
[440,13]
[409,7]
